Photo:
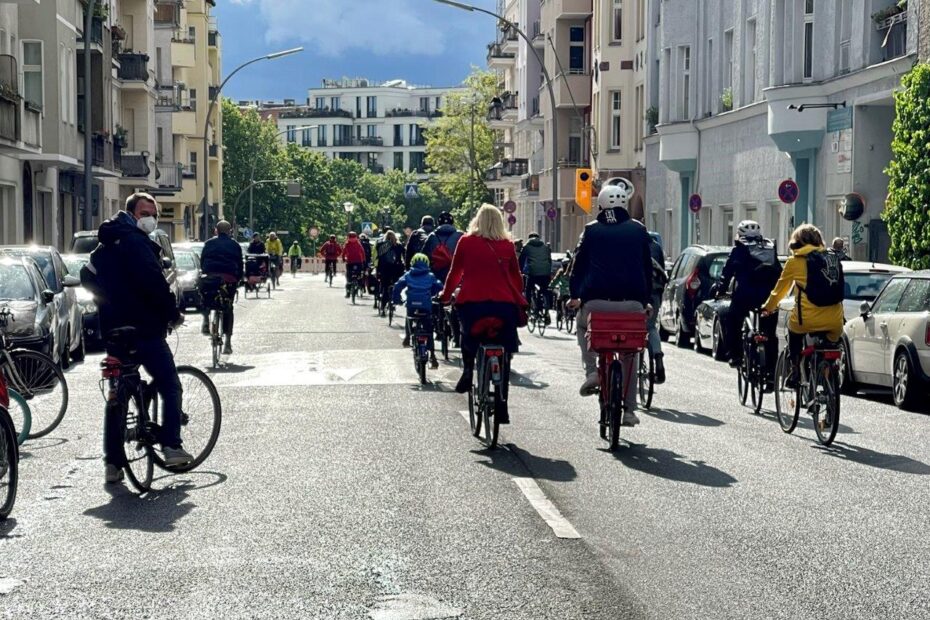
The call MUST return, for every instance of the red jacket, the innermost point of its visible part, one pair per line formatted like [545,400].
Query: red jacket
[353,253]
[331,250]
[486,270]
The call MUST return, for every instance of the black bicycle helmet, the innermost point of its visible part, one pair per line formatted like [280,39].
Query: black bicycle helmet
[446,218]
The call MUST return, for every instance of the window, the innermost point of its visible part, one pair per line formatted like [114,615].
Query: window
[574,141]
[888,300]
[159,143]
[320,103]
[398,136]
[307,138]
[358,107]
[640,117]
[32,73]
[192,97]
[727,65]
[640,20]
[917,296]
[438,104]
[321,135]
[866,287]
[845,36]
[64,103]
[727,223]
[371,131]
[684,109]
[417,162]
[709,78]
[808,39]
[334,103]
[749,77]
[193,162]
[372,105]
[291,133]
[576,54]
[616,134]
[616,25]
[398,161]
[424,104]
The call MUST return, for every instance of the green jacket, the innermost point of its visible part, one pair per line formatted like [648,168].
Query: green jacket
[560,283]
[294,251]
[536,258]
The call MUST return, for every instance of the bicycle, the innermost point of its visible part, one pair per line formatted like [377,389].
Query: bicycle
[486,396]
[19,412]
[443,328]
[353,282]
[647,378]
[421,332]
[37,379]
[330,272]
[617,338]
[9,464]
[295,265]
[217,300]
[537,316]
[818,388]
[751,373]
[134,403]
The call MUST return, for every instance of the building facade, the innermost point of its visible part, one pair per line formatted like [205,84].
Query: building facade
[755,92]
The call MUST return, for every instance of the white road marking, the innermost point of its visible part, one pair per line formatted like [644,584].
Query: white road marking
[465,415]
[546,509]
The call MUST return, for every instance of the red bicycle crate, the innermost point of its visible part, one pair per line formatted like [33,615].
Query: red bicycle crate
[616,331]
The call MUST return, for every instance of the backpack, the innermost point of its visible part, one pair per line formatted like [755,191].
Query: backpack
[441,258]
[386,253]
[767,268]
[825,283]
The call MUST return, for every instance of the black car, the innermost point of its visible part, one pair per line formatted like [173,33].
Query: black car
[84,242]
[23,290]
[85,299]
[711,316]
[188,263]
[694,273]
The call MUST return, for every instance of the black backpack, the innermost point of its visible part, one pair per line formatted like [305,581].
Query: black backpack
[825,283]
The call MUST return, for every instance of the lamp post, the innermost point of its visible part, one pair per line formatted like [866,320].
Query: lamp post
[206,131]
[542,65]
[349,207]
[252,173]
[252,185]
[87,219]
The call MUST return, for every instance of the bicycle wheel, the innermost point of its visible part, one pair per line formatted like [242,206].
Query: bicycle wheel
[647,376]
[201,417]
[42,383]
[531,321]
[21,416]
[216,340]
[787,400]
[757,379]
[827,406]
[570,323]
[490,404]
[742,384]
[137,443]
[474,412]
[9,465]
[421,370]
[390,314]
[541,324]
[615,402]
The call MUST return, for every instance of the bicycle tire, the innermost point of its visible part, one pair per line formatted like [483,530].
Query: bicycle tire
[826,423]
[615,402]
[647,377]
[353,293]
[138,453]
[787,400]
[531,322]
[444,344]
[757,376]
[390,314]
[37,379]
[202,449]
[421,371]
[542,327]
[24,412]
[216,340]
[9,465]
[569,324]
[742,385]
[474,413]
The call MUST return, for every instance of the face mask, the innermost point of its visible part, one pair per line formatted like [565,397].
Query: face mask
[147,224]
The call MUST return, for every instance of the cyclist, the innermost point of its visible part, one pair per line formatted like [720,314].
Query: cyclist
[222,258]
[331,251]
[536,263]
[294,254]
[275,250]
[417,240]
[659,280]
[754,265]
[366,245]
[389,265]
[611,272]
[256,246]
[421,286]
[559,287]
[126,275]
[440,247]
[353,255]
[817,277]
[485,266]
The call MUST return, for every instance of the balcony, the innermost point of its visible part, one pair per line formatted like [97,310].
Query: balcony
[508,172]
[101,151]
[363,141]
[182,36]
[418,141]
[573,90]
[376,168]
[503,110]
[168,175]
[406,112]
[509,40]
[171,97]
[134,67]
[213,35]
[184,123]
[530,184]
[10,120]
[136,165]
[32,127]
[316,113]
[96,31]
[498,58]
[566,9]
[168,13]
[537,36]
[892,25]
[117,156]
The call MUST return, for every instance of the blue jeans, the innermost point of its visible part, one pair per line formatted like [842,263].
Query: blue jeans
[155,357]
[655,342]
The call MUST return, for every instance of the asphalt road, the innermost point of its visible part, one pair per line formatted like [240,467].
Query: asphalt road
[341,489]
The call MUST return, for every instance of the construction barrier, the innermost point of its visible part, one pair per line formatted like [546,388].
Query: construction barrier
[312,265]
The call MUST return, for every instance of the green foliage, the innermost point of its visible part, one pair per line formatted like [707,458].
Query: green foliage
[460,145]
[906,209]
[726,99]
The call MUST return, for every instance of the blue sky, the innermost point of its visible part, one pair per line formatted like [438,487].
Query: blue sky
[418,40]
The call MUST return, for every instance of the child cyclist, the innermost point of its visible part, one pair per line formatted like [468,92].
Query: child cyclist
[421,287]
[559,288]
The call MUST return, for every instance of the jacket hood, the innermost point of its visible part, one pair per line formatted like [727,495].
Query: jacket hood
[419,269]
[617,215]
[446,230]
[425,229]
[535,242]
[807,249]
[116,228]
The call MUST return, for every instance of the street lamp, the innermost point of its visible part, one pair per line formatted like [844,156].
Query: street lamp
[349,207]
[542,65]
[206,129]
[252,173]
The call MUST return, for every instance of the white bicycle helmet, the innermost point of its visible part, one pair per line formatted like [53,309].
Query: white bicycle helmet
[749,229]
[615,195]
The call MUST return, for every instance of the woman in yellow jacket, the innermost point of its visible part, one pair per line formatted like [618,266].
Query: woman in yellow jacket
[806,318]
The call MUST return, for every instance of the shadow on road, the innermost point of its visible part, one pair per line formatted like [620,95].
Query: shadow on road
[515,461]
[7,527]
[683,417]
[44,443]
[671,466]
[524,381]
[805,422]
[155,512]
[194,480]
[864,456]
[229,369]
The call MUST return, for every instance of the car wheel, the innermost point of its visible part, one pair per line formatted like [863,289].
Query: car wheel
[80,352]
[683,340]
[65,355]
[847,383]
[718,349]
[698,341]
[663,334]
[903,382]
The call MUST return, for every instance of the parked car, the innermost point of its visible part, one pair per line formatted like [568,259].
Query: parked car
[888,343]
[24,291]
[84,242]
[188,263]
[70,324]
[192,246]
[93,341]
[694,272]
[168,262]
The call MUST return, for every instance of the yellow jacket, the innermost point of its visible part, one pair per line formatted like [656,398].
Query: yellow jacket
[816,318]
[274,247]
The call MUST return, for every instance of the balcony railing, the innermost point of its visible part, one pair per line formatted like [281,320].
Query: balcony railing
[10,128]
[136,165]
[376,168]
[117,156]
[508,168]
[32,127]
[316,113]
[508,34]
[134,67]
[530,184]
[168,175]
[495,52]
[99,150]
[405,112]
[168,12]
[893,23]
[354,141]
[182,36]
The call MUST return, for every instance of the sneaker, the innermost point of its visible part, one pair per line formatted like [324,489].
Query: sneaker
[464,383]
[175,457]
[629,419]
[227,350]
[660,370]
[433,363]
[406,342]
[347,294]
[590,385]
[734,362]
[114,474]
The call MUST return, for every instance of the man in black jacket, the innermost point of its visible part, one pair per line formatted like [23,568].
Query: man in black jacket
[126,275]
[417,241]
[611,272]
[222,258]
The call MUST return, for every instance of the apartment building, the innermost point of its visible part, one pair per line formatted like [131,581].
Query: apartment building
[188,69]
[754,92]
[379,125]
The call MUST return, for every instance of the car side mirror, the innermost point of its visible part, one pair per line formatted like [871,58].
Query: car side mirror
[166,263]
[71,281]
[865,308]
[48,296]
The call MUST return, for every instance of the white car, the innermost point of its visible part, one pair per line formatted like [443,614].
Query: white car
[888,344]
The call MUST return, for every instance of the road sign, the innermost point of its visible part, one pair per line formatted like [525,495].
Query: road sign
[294,190]
[314,232]
[411,192]
[511,219]
[247,233]
[552,213]
[510,206]
[695,203]
[788,191]
[366,228]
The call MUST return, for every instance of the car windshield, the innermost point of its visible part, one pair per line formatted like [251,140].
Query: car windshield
[864,286]
[185,261]
[84,245]
[74,265]
[715,269]
[15,283]
[44,261]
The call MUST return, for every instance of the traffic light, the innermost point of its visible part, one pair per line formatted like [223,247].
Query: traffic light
[584,181]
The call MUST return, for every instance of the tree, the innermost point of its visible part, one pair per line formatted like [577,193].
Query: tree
[460,145]
[907,211]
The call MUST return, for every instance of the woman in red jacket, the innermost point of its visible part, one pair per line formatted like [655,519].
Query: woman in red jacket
[353,254]
[485,269]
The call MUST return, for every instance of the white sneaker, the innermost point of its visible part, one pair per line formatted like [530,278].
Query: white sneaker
[629,419]
[590,385]
[175,457]
[114,474]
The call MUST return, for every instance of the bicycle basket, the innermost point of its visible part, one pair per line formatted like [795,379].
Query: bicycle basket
[610,332]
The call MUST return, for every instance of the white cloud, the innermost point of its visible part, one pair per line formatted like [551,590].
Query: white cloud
[336,26]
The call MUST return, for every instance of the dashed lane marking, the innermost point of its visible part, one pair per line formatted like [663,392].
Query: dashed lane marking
[546,509]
